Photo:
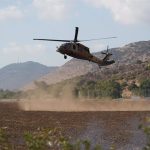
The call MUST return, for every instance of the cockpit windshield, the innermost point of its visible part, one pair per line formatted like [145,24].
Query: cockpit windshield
[66,45]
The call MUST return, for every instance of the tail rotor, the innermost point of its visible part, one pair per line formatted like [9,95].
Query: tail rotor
[107,54]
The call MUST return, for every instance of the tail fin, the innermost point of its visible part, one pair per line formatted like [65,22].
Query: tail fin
[107,57]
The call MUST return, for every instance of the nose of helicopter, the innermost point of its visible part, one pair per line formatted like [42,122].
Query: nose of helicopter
[60,49]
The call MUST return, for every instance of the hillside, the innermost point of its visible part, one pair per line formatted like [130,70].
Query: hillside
[17,75]
[132,62]
[126,57]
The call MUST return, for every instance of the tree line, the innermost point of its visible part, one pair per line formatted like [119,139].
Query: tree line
[85,88]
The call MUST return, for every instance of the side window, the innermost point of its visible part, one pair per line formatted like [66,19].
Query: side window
[74,46]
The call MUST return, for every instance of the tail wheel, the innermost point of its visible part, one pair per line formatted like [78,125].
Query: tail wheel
[65,57]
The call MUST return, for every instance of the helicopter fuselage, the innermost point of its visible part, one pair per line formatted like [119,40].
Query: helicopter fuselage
[76,50]
[79,51]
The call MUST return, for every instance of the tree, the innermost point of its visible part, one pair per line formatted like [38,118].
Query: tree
[99,89]
[145,88]
[109,88]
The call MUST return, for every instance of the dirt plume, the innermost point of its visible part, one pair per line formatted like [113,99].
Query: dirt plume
[61,98]
[83,105]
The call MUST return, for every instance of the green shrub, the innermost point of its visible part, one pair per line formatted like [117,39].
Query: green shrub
[6,94]
[4,140]
[148,67]
[146,130]
[132,87]
[45,139]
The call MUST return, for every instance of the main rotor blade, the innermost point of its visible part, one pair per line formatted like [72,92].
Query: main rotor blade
[54,40]
[76,34]
[97,39]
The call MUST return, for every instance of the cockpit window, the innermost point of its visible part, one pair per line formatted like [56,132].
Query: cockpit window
[65,45]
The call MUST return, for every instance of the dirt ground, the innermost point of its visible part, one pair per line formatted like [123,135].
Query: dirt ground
[105,128]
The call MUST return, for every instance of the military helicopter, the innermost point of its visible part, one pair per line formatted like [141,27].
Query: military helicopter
[75,49]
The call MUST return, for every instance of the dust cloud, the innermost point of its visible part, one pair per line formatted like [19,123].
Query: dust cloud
[82,105]
[40,100]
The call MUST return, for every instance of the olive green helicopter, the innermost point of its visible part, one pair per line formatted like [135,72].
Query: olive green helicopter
[75,49]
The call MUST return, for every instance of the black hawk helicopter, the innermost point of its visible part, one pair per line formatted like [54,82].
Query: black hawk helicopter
[75,49]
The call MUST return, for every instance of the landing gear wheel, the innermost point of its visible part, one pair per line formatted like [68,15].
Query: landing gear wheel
[65,57]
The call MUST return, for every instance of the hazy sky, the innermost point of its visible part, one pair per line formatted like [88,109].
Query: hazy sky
[23,20]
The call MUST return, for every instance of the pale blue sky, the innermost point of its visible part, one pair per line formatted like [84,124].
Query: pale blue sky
[23,20]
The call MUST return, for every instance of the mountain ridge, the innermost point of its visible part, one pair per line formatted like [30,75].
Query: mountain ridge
[16,75]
